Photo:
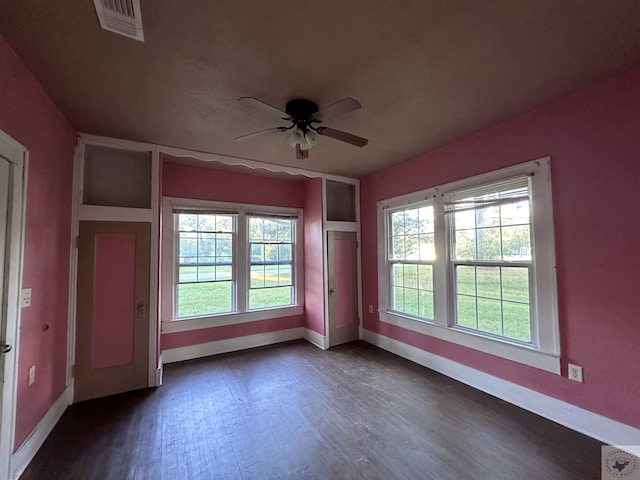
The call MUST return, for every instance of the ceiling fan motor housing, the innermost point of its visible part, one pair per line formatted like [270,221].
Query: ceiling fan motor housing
[301,110]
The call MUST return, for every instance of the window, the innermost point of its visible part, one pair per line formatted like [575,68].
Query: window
[412,255]
[491,262]
[225,264]
[205,263]
[271,246]
[472,262]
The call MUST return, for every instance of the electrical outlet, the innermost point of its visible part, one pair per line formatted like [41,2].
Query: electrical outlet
[25,297]
[575,373]
[32,374]
[370,308]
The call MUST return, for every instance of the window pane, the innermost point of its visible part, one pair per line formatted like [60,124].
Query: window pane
[515,213]
[397,278]
[206,244]
[411,276]
[284,230]
[224,269]
[515,284]
[257,276]
[270,253]
[465,245]
[466,280]
[284,253]
[487,217]
[397,247]
[224,223]
[224,245]
[490,315]
[270,230]
[467,311]
[426,305]
[188,274]
[489,244]
[411,247]
[257,252]
[426,247]
[465,220]
[206,273]
[256,229]
[425,277]
[488,282]
[207,223]
[189,246]
[411,301]
[397,223]
[516,321]
[270,297]
[271,275]
[411,222]
[204,298]
[187,222]
[284,275]
[516,243]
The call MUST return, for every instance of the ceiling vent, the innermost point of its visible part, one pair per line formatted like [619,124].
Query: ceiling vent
[120,16]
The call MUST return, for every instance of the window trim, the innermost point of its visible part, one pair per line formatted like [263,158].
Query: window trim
[171,324]
[546,354]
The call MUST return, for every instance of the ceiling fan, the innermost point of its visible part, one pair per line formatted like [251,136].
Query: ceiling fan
[304,116]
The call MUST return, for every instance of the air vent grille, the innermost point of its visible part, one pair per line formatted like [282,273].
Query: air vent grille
[120,16]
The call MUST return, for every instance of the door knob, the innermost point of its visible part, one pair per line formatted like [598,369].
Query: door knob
[140,309]
[5,348]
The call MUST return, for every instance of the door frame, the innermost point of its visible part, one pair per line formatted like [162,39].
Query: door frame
[119,214]
[18,156]
[334,226]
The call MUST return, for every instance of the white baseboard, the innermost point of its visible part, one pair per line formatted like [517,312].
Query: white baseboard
[596,426]
[22,457]
[315,338]
[180,354]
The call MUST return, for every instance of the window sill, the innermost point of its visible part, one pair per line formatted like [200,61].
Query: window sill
[547,361]
[197,323]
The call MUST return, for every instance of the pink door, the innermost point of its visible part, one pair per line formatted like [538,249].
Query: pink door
[343,287]
[112,322]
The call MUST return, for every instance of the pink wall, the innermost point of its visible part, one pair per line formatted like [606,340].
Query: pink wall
[593,140]
[29,116]
[313,257]
[218,185]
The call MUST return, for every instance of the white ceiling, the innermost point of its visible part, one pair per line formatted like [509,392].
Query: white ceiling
[426,72]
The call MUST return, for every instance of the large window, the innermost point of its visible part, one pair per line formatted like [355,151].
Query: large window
[225,264]
[472,262]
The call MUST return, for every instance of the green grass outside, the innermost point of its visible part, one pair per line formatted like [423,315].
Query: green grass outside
[210,297]
[484,300]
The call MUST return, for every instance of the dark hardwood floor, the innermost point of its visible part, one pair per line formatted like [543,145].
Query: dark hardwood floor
[293,411]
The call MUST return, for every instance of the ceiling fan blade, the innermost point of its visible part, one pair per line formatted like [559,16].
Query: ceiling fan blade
[301,154]
[263,106]
[343,136]
[343,106]
[259,133]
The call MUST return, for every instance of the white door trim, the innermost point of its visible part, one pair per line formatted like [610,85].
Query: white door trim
[17,156]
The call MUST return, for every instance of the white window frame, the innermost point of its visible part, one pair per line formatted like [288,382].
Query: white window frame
[544,350]
[241,266]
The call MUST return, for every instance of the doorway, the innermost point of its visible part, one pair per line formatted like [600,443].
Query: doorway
[112,315]
[12,159]
[342,260]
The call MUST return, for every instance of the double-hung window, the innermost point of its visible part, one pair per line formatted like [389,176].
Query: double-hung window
[472,262]
[226,263]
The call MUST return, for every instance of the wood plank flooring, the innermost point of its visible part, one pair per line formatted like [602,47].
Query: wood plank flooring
[293,411]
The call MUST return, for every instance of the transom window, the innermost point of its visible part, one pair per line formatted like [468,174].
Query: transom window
[472,262]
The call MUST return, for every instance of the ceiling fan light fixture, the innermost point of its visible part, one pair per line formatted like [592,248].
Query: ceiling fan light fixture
[306,140]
